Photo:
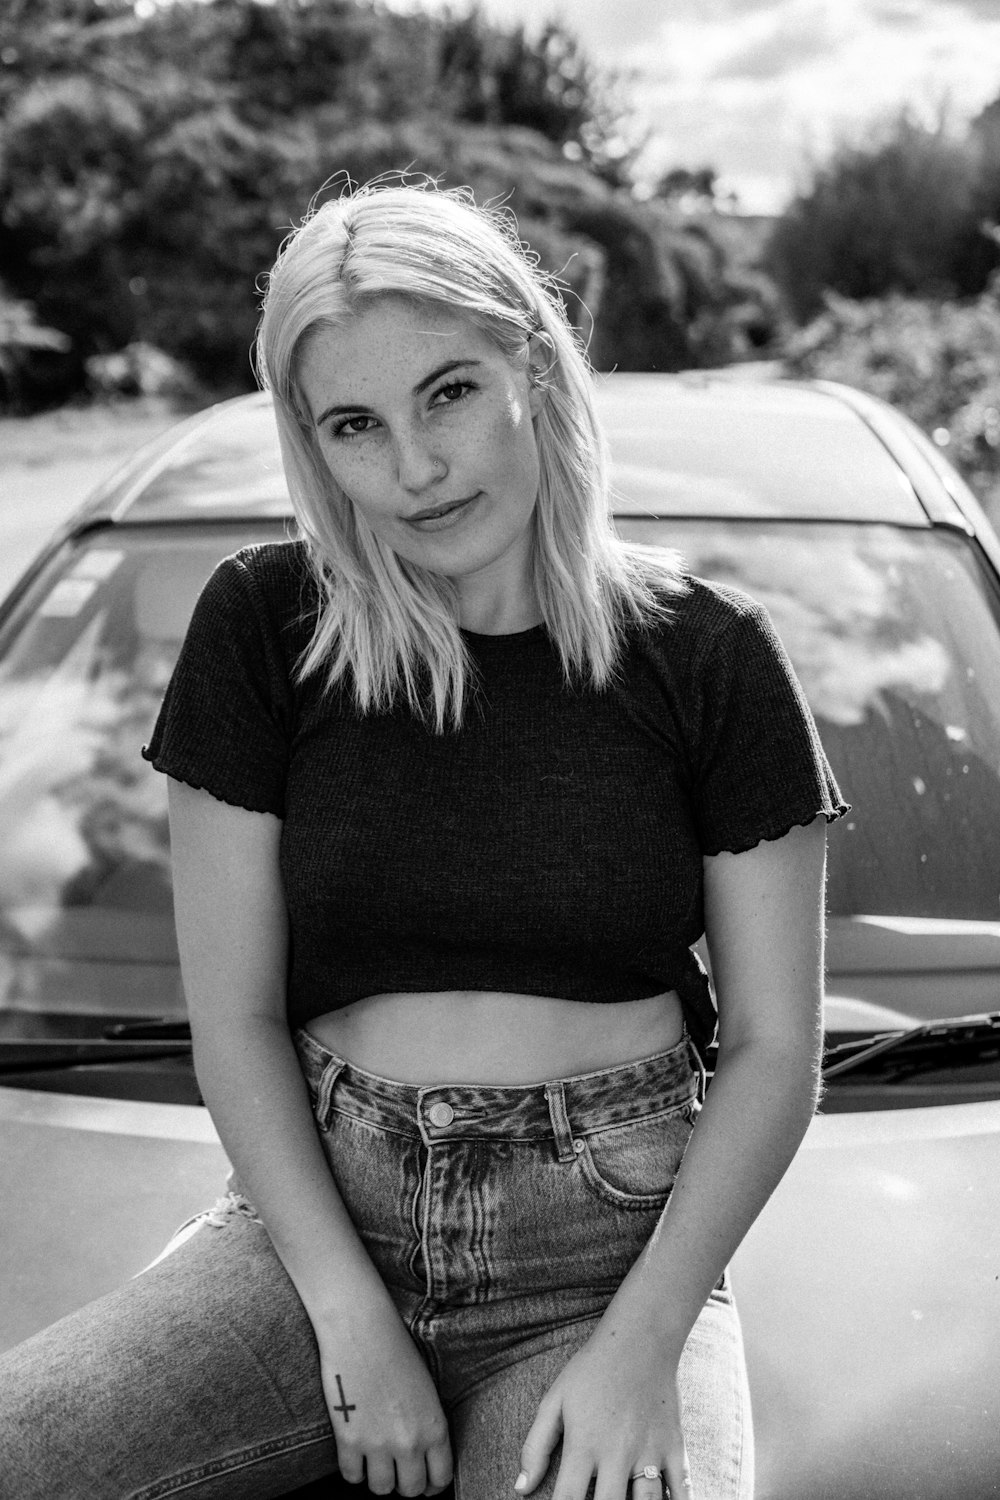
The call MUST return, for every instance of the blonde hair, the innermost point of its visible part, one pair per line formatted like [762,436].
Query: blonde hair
[384,622]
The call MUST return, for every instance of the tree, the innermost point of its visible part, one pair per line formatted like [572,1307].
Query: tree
[898,215]
[937,361]
[36,365]
[152,159]
[491,75]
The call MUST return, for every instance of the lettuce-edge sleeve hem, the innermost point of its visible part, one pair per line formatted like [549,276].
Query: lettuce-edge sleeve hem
[771,835]
[760,766]
[231,798]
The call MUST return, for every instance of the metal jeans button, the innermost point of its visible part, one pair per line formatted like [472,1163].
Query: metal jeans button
[441,1114]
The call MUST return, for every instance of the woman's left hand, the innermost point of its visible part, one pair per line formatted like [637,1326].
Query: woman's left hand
[616,1408]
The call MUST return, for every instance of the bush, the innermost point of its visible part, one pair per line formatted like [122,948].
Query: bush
[142,370]
[939,362]
[902,214]
[37,367]
[153,158]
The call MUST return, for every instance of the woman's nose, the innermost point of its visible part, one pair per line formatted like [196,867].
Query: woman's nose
[418,464]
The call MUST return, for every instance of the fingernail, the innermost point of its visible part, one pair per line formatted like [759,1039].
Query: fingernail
[521,1481]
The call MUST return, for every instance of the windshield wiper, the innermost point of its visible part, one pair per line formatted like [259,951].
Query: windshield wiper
[960,1041]
[160,1028]
[44,1056]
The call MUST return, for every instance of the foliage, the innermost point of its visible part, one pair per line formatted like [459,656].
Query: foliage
[36,366]
[899,214]
[937,361]
[152,159]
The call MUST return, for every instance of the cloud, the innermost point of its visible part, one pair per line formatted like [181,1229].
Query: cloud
[637,22]
[904,15]
[760,88]
[790,39]
[718,10]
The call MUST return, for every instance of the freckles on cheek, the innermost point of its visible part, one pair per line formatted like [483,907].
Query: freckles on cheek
[350,472]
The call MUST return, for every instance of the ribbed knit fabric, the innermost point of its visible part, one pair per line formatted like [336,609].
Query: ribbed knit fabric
[552,846]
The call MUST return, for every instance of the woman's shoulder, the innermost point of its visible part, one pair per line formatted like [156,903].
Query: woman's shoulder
[277,570]
[269,583]
[693,618]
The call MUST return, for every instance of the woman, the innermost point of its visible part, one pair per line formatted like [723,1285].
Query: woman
[456,782]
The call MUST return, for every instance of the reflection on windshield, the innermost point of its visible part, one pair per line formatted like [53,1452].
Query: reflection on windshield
[843,612]
[86,921]
[898,650]
[890,630]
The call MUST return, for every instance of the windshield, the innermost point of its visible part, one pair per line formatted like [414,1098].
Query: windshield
[896,643]
[86,917]
[893,632]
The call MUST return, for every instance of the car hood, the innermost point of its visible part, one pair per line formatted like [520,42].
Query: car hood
[870,1296]
[869,1288]
[92,1189]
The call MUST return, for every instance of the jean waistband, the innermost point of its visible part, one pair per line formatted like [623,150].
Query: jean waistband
[563,1108]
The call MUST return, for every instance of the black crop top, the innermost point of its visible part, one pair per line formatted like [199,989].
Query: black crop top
[552,846]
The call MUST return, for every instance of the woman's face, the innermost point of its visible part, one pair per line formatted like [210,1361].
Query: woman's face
[427,428]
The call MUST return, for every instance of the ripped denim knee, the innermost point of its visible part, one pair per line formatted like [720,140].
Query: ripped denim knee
[232,1204]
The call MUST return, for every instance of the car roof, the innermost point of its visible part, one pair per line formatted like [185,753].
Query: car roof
[696,444]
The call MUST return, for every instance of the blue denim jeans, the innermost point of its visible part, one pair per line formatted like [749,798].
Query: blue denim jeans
[502,1220]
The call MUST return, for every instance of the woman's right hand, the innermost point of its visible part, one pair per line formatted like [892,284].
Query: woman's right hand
[385,1410]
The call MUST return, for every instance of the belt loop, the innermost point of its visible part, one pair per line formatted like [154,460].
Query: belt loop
[699,1068]
[556,1096]
[324,1094]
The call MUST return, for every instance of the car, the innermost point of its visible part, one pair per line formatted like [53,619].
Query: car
[869,1288]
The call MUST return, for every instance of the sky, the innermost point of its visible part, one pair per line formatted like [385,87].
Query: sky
[754,88]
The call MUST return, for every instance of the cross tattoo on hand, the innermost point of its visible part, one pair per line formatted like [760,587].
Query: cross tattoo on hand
[343,1407]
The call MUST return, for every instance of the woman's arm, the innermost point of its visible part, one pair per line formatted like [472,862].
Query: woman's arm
[232,932]
[764,922]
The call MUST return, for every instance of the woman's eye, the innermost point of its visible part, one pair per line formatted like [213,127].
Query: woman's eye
[454,391]
[353,426]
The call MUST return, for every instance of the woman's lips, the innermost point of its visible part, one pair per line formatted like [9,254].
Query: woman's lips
[439,517]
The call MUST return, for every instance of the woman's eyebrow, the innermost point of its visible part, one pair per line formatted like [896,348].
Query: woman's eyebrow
[452,364]
[419,388]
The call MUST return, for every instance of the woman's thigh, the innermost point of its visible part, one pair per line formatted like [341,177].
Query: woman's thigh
[200,1377]
[491,1421]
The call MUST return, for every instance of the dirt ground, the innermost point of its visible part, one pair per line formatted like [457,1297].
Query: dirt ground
[50,463]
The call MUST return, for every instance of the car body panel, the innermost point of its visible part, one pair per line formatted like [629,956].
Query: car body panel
[226,461]
[875,1371]
[91,1189]
[923,1187]
[869,1287]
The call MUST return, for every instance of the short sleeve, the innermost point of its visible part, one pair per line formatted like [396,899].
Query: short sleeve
[223,726]
[760,768]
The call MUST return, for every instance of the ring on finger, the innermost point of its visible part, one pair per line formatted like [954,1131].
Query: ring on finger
[650,1471]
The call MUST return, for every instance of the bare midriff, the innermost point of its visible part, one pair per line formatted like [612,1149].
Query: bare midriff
[482,1036]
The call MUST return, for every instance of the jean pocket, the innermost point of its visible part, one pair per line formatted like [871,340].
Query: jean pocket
[634,1165]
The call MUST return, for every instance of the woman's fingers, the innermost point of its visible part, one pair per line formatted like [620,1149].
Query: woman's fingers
[439,1467]
[545,1432]
[573,1479]
[638,1484]
[381,1475]
[351,1464]
[677,1474]
[411,1476]
[423,1474]
[618,1484]
[645,1489]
